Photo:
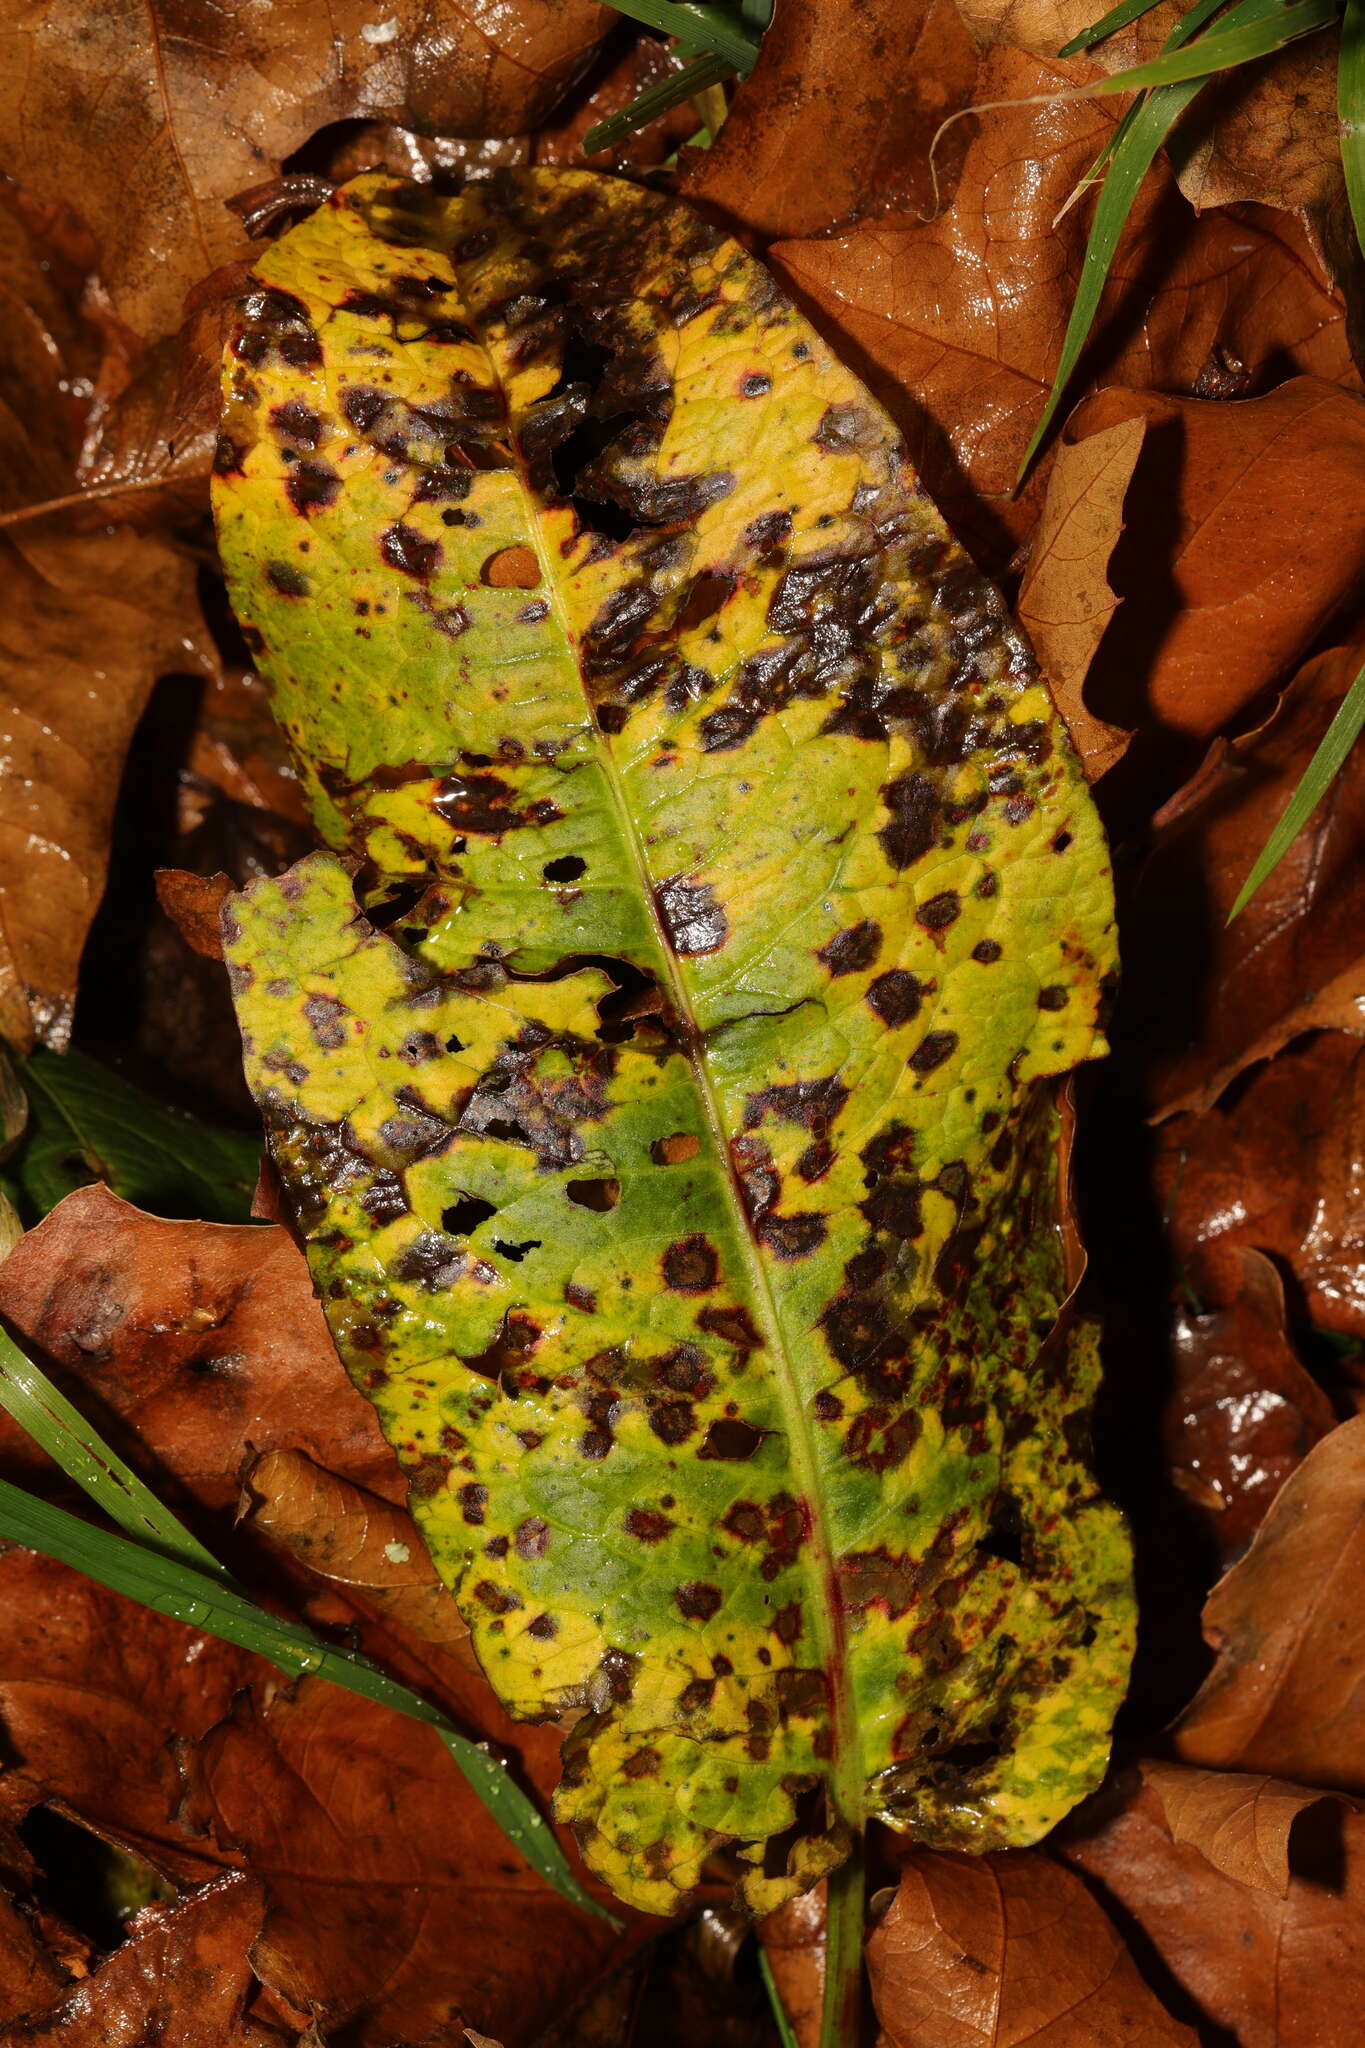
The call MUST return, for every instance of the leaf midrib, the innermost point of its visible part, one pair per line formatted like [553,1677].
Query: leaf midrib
[845,1778]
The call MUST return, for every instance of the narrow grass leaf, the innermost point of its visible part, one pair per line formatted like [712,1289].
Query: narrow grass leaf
[1108,24]
[696,26]
[1351,108]
[785,2032]
[694,78]
[1223,48]
[63,1432]
[1317,779]
[1149,124]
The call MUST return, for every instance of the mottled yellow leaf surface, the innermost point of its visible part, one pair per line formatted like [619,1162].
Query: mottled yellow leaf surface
[659,1066]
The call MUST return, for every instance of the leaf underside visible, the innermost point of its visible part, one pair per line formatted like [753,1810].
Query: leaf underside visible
[659,1067]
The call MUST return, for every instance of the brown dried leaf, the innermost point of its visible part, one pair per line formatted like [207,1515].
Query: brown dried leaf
[94,1693]
[1289,1628]
[1066,601]
[1278,1168]
[1243,1413]
[1209,998]
[181,1977]
[190,1344]
[30,1976]
[957,322]
[1244,541]
[1194,1858]
[625,66]
[858,92]
[89,622]
[151,120]
[398,1909]
[193,904]
[793,1940]
[979,1950]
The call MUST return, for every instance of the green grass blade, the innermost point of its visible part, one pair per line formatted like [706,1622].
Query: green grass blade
[1224,47]
[1351,108]
[204,1603]
[696,26]
[659,99]
[70,1442]
[1148,125]
[785,2033]
[1107,25]
[1317,779]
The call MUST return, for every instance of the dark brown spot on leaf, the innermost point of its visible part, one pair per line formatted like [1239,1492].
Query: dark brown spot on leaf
[690,1266]
[849,952]
[696,1601]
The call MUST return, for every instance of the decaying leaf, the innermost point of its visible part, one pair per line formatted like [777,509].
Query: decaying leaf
[1248,1891]
[200,1343]
[861,91]
[1284,1696]
[1278,1166]
[181,1976]
[957,322]
[1243,1413]
[1209,998]
[677,1169]
[398,1910]
[151,122]
[1066,600]
[93,1693]
[980,1950]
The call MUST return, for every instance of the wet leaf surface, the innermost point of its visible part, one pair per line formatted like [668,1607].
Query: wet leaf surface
[455,1103]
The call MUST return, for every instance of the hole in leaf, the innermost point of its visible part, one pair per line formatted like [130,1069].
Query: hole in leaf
[454,1043]
[567,868]
[466,1215]
[671,1151]
[1004,1537]
[968,1756]
[404,900]
[730,1438]
[600,1195]
[513,568]
[516,1252]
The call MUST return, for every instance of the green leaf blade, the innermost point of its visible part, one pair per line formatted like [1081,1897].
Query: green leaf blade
[1318,777]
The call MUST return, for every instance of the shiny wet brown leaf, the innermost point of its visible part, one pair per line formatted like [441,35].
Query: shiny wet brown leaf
[1278,1166]
[1243,1413]
[1250,1894]
[182,1977]
[979,1950]
[1288,1625]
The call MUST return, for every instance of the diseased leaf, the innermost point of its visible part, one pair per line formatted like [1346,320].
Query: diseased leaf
[88,1123]
[975,1951]
[150,119]
[677,1171]
[1284,1696]
[1249,1893]
[957,321]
